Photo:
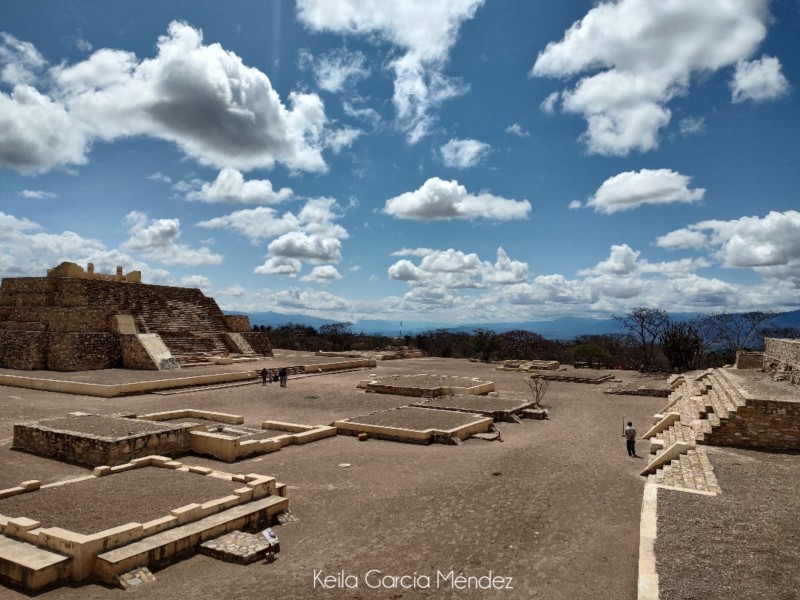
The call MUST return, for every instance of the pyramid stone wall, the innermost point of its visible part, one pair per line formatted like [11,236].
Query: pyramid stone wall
[73,323]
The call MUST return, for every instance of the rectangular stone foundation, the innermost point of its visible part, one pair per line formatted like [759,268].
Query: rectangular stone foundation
[94,450]
[416,425]
[428,386]
[34,557]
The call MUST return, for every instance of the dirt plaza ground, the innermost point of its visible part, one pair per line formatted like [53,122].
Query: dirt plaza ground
[551,512]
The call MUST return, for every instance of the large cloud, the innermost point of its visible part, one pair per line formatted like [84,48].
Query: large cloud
[647,53]
[255,223]
[311,235]
[437,199]
[424,30]
[201,97]
[38,134]
[632,189]
[453,269]
[770,245]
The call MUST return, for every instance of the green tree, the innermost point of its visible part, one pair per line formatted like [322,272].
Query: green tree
[590,353]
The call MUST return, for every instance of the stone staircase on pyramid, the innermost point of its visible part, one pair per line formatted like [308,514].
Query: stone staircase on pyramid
[697,408]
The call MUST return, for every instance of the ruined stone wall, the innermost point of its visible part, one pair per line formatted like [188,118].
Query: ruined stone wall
[83,351]
[760,424]
[749,360]
[95,451]
[782,359]
[259,341]
[25,350]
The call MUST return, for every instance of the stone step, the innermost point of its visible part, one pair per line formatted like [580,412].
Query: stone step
[184,540]
[31,568]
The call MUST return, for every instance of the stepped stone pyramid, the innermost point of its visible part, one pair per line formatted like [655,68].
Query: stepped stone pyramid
[714,408]
[74,320]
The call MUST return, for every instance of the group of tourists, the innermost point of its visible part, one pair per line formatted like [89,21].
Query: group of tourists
[273,375]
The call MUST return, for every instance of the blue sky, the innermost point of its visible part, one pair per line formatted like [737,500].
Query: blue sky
[452,162]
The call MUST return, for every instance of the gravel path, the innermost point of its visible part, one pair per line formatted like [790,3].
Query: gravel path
[743,543]
[97,504]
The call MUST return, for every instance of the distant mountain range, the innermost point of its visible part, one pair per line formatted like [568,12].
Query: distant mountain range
[563,328]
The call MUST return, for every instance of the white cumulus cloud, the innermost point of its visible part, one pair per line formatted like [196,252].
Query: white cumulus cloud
[634,56]
[770,245]
[758,80]
[437,199]
[322,274]
[199,96]
[231,186]
[157,239]
[632,189]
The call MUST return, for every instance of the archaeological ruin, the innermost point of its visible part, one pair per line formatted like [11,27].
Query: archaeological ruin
[76,320]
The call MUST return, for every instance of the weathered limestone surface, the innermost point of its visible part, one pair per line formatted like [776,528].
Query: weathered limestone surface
[782,359]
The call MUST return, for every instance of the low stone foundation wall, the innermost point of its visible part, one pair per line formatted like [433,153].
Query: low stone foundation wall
[782,359]
[93,450]
[760,424]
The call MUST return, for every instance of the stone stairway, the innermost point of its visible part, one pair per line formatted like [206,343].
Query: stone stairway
[695,409]
[689,471]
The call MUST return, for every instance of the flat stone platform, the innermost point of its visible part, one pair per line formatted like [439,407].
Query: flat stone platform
[99,503]
[498,408]
[111,383]
[416,425]
[49,534]
[426,385]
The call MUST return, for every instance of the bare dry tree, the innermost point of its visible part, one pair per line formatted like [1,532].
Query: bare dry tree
[538,387]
